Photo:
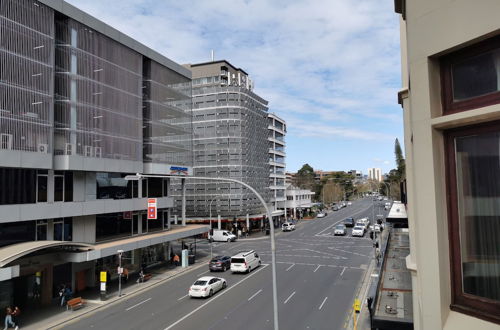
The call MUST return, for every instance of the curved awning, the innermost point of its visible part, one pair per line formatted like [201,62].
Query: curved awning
[12,252]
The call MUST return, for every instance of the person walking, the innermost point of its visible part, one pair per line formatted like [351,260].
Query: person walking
[8,318]
[377,255]
[15,316]
[62,292]
[176,260]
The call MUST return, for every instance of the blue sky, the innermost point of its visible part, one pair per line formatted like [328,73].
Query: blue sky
[330,68]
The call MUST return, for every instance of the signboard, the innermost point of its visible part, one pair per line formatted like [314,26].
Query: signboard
[120,270]
[103,276]
[179,170]
[151,208]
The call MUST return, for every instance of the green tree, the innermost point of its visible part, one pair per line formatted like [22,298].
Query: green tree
[400,160]
[305,177]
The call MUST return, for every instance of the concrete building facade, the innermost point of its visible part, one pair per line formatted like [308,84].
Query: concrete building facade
[230,124]
[451,104]
[276,141]
[82,106]
[375,174]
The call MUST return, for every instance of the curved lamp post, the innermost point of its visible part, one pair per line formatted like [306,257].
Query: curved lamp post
[139,176]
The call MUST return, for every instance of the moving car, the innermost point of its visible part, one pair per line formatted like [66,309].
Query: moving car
[349,203]
[219,263]
[376,228]
[387,206]
[206,286]
[321,215]
[221,236]
[349,222]
[358,231]
[340,229]
[244,262]
[287,226]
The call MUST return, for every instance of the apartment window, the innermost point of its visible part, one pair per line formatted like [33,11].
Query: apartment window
[63,229]
[41,184]
[58,186]
[41,230]
[470,78]
[473,183]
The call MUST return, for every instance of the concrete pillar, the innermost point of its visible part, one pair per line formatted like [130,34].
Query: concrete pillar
[219,224]
[169,224]
[175,219]
[248,222]
[183,184]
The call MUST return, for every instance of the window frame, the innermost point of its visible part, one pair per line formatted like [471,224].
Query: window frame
[466,303]
[449,106]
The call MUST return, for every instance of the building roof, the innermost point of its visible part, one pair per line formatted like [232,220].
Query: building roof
[105,29]
[219,61]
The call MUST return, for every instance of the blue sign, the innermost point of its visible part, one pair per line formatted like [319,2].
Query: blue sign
[176,170]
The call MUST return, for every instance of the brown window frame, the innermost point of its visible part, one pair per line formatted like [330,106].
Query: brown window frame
[446,62]
[476,306]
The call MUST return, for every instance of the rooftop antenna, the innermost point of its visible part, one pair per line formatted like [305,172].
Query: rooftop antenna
[212,54]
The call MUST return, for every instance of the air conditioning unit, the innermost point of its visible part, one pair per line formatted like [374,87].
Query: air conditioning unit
[43,148]
[87,151]
[70,149]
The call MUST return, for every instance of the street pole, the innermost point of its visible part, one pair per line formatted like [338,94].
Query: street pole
[120,252]
[211,239]
[139,176]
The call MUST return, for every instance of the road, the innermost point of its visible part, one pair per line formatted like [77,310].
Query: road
[318,276]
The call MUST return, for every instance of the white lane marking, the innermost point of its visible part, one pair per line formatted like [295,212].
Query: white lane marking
[182,297]
[203,273]
[317,268]
[343,270]
[256,293]
[289,297]
[321,306]
[142,302]
[290,267]
[263,266]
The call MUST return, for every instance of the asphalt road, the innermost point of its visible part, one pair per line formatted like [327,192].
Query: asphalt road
[318,275]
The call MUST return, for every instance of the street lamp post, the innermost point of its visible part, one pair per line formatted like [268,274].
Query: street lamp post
[211,229]
[120,253]
[139,176]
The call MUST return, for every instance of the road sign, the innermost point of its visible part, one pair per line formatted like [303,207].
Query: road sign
[120,270]
[152,208]
[357,305]
[103,276]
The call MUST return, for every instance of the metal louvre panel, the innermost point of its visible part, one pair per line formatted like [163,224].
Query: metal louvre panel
[98,109]
[26,75]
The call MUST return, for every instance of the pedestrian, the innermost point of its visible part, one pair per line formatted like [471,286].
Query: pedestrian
[15,316]
[62,295]
[377,255]
[141,276]
[68,293]
[8,318]
[239,233]
[176,260]
[125,275]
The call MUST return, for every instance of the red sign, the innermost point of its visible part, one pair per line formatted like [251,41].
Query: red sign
[152,208]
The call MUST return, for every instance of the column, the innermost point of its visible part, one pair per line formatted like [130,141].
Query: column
[183,184]
[248,222]
[219,224]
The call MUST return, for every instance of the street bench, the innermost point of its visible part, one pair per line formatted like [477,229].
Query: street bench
[75,303]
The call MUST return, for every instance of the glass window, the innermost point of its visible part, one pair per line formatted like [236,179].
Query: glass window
[470,77]
[474,185]
[41,230]
[58,187]
[41,188]
[17,232]
[68,186]
[155,187]
[58,230]
[68,229]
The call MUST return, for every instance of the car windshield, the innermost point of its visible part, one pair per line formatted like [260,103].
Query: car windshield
[339,227]
[358,228]
[237,260]
[216,259]
[200,283]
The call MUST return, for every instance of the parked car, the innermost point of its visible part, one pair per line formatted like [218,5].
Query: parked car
[287,226]
[206,286]
[358,231]
[221,236]
[219,263]
[349,203]
[321,215]
[340,229]
[349,222]
[244,262]
[335,208]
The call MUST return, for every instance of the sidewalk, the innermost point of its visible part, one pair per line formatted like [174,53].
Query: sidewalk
[55,316]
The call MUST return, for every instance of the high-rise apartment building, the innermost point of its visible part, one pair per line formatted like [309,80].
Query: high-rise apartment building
[276,141]
[451,99]
[375,174]
[230,124]
[82,106]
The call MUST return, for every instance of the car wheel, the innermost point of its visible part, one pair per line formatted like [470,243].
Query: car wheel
[210,240]
[224,285]
[223,268]
[228,240]
[249,270]
[260,262]
[211,293]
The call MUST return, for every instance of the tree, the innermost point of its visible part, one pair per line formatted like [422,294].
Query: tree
[305,177]
[400,160]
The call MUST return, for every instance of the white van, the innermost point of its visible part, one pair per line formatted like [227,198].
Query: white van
[244,262]
[221,236]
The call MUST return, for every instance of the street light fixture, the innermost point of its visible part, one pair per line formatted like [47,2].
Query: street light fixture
[139,176]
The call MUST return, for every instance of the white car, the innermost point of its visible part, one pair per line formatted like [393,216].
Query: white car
[287,226]
[349,203]
[320,215]
[206,286]
[244,262]
[340,230]
[358,231]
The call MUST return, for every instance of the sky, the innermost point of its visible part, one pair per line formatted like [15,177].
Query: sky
[329,68]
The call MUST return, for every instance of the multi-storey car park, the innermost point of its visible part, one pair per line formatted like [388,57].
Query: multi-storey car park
[276,143]
[230,140]
[81,106]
